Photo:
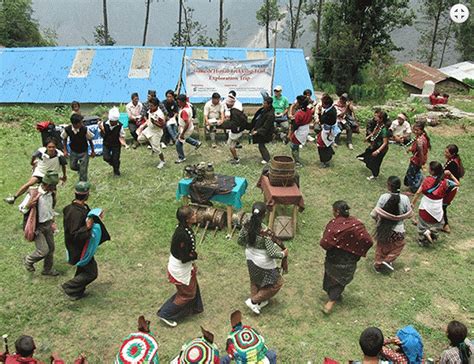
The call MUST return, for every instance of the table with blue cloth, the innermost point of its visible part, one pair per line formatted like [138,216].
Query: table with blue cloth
[232,199]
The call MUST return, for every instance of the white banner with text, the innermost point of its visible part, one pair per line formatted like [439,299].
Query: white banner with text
[246,77]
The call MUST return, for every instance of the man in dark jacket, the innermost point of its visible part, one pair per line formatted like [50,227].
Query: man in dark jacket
[77,236]
[114,138]
[79,136]
[263,128]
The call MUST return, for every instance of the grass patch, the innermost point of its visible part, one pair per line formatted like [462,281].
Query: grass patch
[140,209]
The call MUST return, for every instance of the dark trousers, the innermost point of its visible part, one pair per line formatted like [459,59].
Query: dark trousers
[132,127]
[84,276]
[373,163]
[80,162]
[166,138]
[112,156]
[445,214]
[348,130]
[264,152]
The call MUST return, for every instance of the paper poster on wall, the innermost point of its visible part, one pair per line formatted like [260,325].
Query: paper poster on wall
[246,77]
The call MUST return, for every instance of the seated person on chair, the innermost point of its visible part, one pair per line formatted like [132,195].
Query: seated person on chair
[213,116]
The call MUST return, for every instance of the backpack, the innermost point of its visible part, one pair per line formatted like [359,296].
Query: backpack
[30,219]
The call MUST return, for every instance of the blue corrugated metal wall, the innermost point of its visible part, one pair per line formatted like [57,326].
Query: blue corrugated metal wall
[40,75]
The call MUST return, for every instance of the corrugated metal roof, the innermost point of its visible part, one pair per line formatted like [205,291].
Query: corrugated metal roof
[40,75]
[418,73]
[459,71]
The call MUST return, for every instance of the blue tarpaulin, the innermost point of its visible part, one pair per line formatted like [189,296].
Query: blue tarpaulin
[43,74]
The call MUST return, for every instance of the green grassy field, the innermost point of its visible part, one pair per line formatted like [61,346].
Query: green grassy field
[429,288]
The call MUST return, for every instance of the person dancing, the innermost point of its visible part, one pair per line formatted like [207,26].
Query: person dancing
[419,149]
[261,252]
[47,158]
[327,116]
[434,189]
[299,130]
[182,271]
[263,128]
[391,209]
[378,139]
[345,241]
[455,166]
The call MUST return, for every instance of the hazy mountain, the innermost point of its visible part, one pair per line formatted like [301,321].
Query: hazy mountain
[74,22]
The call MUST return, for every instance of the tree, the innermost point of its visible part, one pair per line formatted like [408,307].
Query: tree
[224,27]
[350,35]
[101,32]
[222,41]
[192,32]
[101,37]
[19,29]
[436,27]
[463,35]
[147,16]
[315,7]
[265,15]
[294,29]
[221,23]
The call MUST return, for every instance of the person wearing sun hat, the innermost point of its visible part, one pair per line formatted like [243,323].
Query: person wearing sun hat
[281,107]
[200,350]
[42,199]
[246,345]
[80,234]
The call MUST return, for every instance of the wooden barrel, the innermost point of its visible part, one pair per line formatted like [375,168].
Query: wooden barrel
[219,219]
[282,171]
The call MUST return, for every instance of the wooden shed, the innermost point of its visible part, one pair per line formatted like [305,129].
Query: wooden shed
[418,73]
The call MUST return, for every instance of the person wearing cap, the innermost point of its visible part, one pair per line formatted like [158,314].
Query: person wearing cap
[134,112]
[200,350]
[47,158]
[113,139]
[25,348]
[152,131]
[245,344]
[79,137]
[401,130]
[44,198]
[185,128]
[213,116]
[281,107]
[79,227]
[263,127]
[344,110]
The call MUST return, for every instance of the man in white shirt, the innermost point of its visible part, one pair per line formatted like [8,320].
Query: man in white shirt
[213,116]
[152,131]
[134,111]
[401,129]
[43,197]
